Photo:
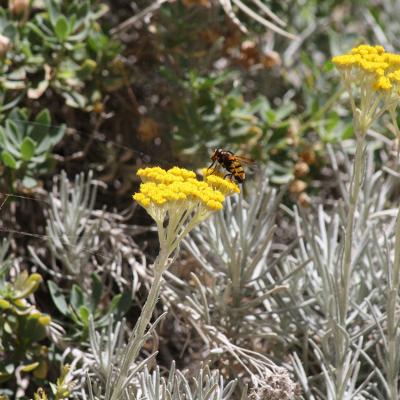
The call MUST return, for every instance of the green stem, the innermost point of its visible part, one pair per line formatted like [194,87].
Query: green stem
[355,187]
[135,341]
[392,368]
[342,345]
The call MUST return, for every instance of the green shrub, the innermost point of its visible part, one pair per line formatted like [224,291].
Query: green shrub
[22,327]
[80,306]
[61,47]
[26,148]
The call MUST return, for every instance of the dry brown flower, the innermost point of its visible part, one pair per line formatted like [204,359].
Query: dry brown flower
[301,168]
[297,186]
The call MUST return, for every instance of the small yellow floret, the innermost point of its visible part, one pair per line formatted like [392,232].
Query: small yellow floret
[141,199]
[394,76]
[214,205]
[346,61]
[181,172]
[383,83]
[223,185]
[364,49]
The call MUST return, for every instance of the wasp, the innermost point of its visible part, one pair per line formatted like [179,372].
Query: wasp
[232,163]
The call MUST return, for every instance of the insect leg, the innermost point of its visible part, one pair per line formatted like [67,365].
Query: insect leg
[211,165]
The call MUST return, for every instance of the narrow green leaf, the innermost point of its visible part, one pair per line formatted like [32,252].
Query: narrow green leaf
[52,10]
[61,28]
[84,315]
[8,160]
[97,289]
[123,305]
[71,25]
[348,132]
[120,304]
[77,298]
[3,139]
[12,103]
[58,297]
[43,117]
[114,303]
[29,367]
[27,148]
[14,130]
[41,128]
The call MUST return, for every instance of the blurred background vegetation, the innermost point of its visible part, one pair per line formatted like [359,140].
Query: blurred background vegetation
[173,83]
[110,86]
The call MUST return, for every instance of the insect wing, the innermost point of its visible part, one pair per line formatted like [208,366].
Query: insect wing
[245,160]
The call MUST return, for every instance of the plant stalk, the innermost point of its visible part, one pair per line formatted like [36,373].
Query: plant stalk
[355,187]
[392,368]
[136,340]
[342,344]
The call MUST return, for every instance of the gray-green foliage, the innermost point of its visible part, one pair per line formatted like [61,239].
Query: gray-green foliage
[26,148]
[266,312]
[364,331]
[247,287]
[251,293]
[104,361]
[234,309]
[206,384]
[72,229]
[82,239]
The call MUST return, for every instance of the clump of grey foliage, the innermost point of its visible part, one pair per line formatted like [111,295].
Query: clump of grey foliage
[82,240]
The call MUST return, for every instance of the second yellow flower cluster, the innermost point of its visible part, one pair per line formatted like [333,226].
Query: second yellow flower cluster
[372,63]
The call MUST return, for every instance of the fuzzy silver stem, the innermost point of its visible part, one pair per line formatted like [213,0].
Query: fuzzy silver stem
[355,187]
[392,367]
[135,341]
[341,337]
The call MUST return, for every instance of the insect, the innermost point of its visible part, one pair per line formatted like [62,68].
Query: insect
[231,162]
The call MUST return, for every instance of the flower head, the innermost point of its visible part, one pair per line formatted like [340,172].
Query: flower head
[178,201]
[375,75]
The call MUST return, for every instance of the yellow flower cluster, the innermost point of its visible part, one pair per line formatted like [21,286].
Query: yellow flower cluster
[372,63]
[178,201]
[176,185]
[372,79]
